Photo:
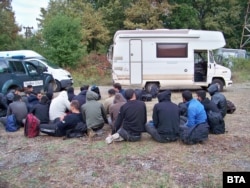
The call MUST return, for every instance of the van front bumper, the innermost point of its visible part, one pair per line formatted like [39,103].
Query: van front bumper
[228,83]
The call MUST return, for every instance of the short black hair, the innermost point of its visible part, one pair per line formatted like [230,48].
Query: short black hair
[117,85]
[75,104]
[129,93]
[84,87]
[111,91]
[70,90]
[17,97]
[187,95]
[201,94]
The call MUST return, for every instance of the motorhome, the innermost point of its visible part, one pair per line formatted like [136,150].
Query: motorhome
[165,57]
[62,77]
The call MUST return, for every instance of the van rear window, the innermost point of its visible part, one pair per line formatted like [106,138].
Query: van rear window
[177,50]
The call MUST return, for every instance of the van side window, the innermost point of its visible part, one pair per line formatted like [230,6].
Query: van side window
[31,68]
[178,50]
[17,66]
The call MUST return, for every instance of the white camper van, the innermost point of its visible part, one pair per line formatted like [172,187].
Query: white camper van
[165,58]
[62,77]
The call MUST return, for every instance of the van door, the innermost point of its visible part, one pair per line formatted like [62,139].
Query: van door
[135,61]
[210,67]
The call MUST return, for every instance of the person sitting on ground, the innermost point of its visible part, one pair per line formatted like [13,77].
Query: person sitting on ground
[41,110]
[33,99]
[108,102]
[196,128]
[67,122]
[218,98]
[3,105]
[18,108]
[215,119]
[59,106]
[81,97]
[50,97]
[118,88]
[114,109]
[131,120]
[166,119]
[93,114]
[71,93]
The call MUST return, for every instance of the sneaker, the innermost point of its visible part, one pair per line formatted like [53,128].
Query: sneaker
[117,137]
[109,139]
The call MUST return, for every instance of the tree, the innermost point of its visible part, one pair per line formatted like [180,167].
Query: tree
[8,28]
[62,36]
[145,14]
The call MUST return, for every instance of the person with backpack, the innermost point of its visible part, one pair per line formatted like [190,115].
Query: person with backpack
[19,109]
[66,122]
[214,117]
[166,119]
[218,98]
[131,120]
[41,110]
[93,114]
[196,129]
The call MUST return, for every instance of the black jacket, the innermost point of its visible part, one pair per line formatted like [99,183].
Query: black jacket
[81,97]
[166,116]
[132,117]
[218,98]
[41,111]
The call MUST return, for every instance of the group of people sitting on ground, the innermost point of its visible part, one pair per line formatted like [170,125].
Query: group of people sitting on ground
[191,120]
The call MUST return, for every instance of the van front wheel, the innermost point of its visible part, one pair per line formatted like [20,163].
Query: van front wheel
[219,83]
[57,86]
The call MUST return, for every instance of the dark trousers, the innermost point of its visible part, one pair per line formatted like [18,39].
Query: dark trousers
[50,129]
[156,136]
[128,136]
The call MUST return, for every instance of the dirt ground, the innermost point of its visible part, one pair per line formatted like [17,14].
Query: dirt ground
[46,161]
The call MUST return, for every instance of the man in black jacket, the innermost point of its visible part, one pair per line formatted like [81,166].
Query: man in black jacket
[131,119]
[166,119]
[214,116]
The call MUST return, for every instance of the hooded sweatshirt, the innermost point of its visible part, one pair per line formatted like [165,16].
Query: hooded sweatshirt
[81,97]
[58,106]
[218,98]
[114,109]
[166,116]
[93,111]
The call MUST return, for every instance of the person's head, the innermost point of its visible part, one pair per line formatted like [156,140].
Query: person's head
[30,88]
[44,99]
[212,89]
[117,87]
[111,92]
[119,98]
[130,94]
[39,95]
[187,96]
[70,90]
[18,91]
[74,106]
[164,96]
[84,87]
[17,97]
[201,95]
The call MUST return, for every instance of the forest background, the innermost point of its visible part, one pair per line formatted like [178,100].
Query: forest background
[76,34]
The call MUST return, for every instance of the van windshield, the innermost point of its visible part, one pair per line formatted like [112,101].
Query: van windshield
[50,64]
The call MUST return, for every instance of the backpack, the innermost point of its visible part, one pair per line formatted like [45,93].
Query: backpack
[31,126]
[79,131]
[96,90]
[146,97]
[230,107]
[11,123]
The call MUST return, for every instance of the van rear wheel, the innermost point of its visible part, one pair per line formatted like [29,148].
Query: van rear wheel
[150,85]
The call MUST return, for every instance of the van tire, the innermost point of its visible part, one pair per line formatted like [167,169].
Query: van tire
[219,82]
[57,86]
[150,85]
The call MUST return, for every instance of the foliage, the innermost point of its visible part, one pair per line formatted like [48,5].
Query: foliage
[62,35]
[146,14]
[8,28]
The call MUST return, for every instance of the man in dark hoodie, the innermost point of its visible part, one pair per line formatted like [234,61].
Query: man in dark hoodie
[218,98]
[131,120]
[81,97]
[215,119]
[166,119]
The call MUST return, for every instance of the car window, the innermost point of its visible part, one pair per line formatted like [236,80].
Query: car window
[31,68]
[17,66]
[3,66]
